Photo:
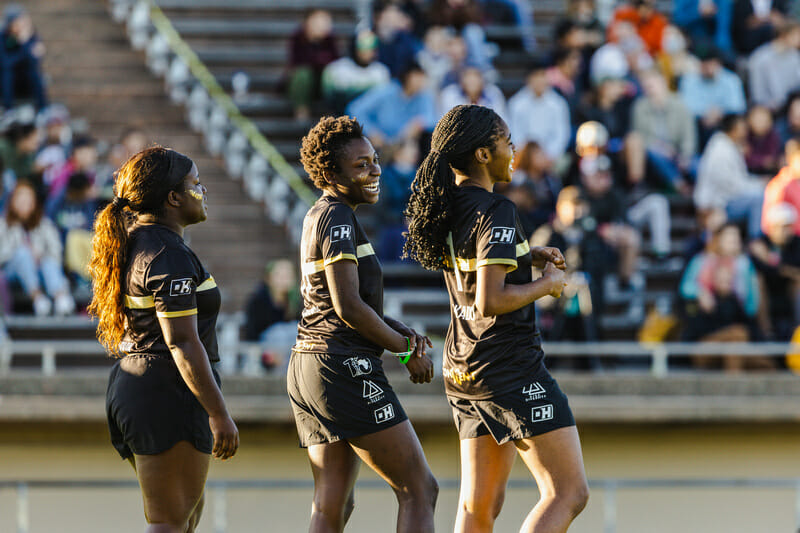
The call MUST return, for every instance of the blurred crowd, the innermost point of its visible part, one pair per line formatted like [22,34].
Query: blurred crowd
[53,178]
[645,140]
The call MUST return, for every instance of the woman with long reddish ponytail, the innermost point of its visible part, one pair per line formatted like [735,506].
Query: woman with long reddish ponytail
[157,308]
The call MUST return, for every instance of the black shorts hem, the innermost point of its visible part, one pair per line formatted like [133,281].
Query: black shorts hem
[336,438]
[126,452]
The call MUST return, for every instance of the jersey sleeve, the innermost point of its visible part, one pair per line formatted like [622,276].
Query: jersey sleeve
[172,280]
[336,236]
[497,237]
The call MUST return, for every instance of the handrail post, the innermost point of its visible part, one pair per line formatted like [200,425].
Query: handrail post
[659,364]
[610,506]
[23,507]
[49,360]
[220,509]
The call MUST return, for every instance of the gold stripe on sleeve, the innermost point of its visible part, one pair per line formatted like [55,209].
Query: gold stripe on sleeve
[139,302]
[207,285]
[512,263]
[339,257]
[176,314]
[364,250]
[312,267]
[523,248]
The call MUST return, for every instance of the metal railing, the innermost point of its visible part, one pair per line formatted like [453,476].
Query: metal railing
[218,491]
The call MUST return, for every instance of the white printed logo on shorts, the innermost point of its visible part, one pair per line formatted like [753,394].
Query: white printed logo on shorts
[542,413]
[359,366]
[384,413]
[180,287]
[502,235]
[341,233]
[372,392]
[534,391]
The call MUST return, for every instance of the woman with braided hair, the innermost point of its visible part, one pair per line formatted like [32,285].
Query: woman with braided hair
[157,309]
[502,396]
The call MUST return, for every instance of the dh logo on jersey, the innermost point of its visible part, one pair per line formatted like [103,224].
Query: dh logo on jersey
[359,366]
[501,235]
[534,391]
[464,312]
[542,413]
[384,413]
[341,233]
[180,287]
[371,392]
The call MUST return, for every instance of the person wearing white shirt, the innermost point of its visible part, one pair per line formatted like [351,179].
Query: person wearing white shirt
[538,113]
[774,68]
[472,88]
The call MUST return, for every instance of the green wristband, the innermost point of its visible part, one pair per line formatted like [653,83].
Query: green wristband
[405,356]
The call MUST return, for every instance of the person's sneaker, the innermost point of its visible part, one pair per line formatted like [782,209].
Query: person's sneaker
[64,304]
[42,305]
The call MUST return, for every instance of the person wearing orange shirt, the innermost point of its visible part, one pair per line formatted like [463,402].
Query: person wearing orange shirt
[785,187]
[648,22]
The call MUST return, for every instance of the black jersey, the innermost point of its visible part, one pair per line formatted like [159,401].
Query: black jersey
[164,278]
[484,356]
[331,233]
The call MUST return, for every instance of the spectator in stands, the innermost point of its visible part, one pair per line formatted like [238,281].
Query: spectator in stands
[55,147]
[674,60]
[534,188]
[538,113]
[396,111]
[563,76]
[667,129]
[788,122]
[398,46]
[722,178]
[649,23]
[776,256]
[580,30]
[349,77]
[711,93]
[623,54]
[132,141]
[83,159]
[464,16]
[20,54]
[18,152]
[754,22]
[721,292]
[774,68]
[472,88]
[437,56]
[785,187]
[31,252]
[705,21]
[311,48]
[396,178]
[763,150]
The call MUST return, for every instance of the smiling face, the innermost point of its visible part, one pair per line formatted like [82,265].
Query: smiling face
[502,156]
[358,178]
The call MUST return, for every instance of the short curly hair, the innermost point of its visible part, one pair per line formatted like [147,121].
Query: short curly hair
[321,148]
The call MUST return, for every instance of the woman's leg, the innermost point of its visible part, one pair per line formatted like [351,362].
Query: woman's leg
[396,455]
[172,485]
[22,268]
[55,282]
[485,467]
[335,469]
[556,462]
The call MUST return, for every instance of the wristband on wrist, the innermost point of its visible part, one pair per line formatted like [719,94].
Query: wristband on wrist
[405,356]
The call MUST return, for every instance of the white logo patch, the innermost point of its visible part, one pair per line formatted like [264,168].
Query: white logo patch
[464,312]
[180,287]
[542,413]
[501,235]
[384,413]
[534,391]
[341,233]
[372,393]
[359,366]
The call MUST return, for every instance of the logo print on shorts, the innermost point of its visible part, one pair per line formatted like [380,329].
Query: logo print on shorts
[502,235]
[542,413]
[359,366]
[372,393]
[341,233]
[534,391]
[180,287]
[384,413]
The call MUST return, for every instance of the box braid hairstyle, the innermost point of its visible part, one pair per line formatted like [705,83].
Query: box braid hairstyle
[460,132]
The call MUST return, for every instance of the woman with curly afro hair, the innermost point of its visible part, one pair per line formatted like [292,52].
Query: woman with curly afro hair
[344,407]
[502,396]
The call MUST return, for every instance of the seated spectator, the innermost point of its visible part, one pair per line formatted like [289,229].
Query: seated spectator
[83,159]
[18,152]
[643,16]
[563,76]
[472,88]
[20,54]
[311,48]
[754,22]
[721,295]
[788,122]
[132,141]
[396,179]
[538,113]
[773,70]
[711,93]
[579,29]
[705,21]
[398,46]
[722,178]
[674,60]
[785,187]
[667,130]
[55,147]
[436,57]
[776,256]
[763,150]
[349,77]
[514,12]
[623,54]
[30,253]
[396,111]
[533,188]
[464,16]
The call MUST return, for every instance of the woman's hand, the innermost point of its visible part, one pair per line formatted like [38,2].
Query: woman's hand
[557,279]
[541,255]
[420,369]
[226,436]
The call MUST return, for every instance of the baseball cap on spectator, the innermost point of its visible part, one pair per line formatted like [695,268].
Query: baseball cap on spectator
[591,137]
[608,62]
[12,12]
[53,114]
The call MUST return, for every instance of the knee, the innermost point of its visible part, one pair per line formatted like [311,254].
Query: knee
[575,498]
[334,510]
[424,492]
[484,511]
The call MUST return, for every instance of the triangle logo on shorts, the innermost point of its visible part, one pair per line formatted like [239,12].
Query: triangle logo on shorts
[371,390]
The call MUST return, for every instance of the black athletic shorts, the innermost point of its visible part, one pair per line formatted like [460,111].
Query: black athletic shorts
[150,408]
[532,409]
[336,397]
